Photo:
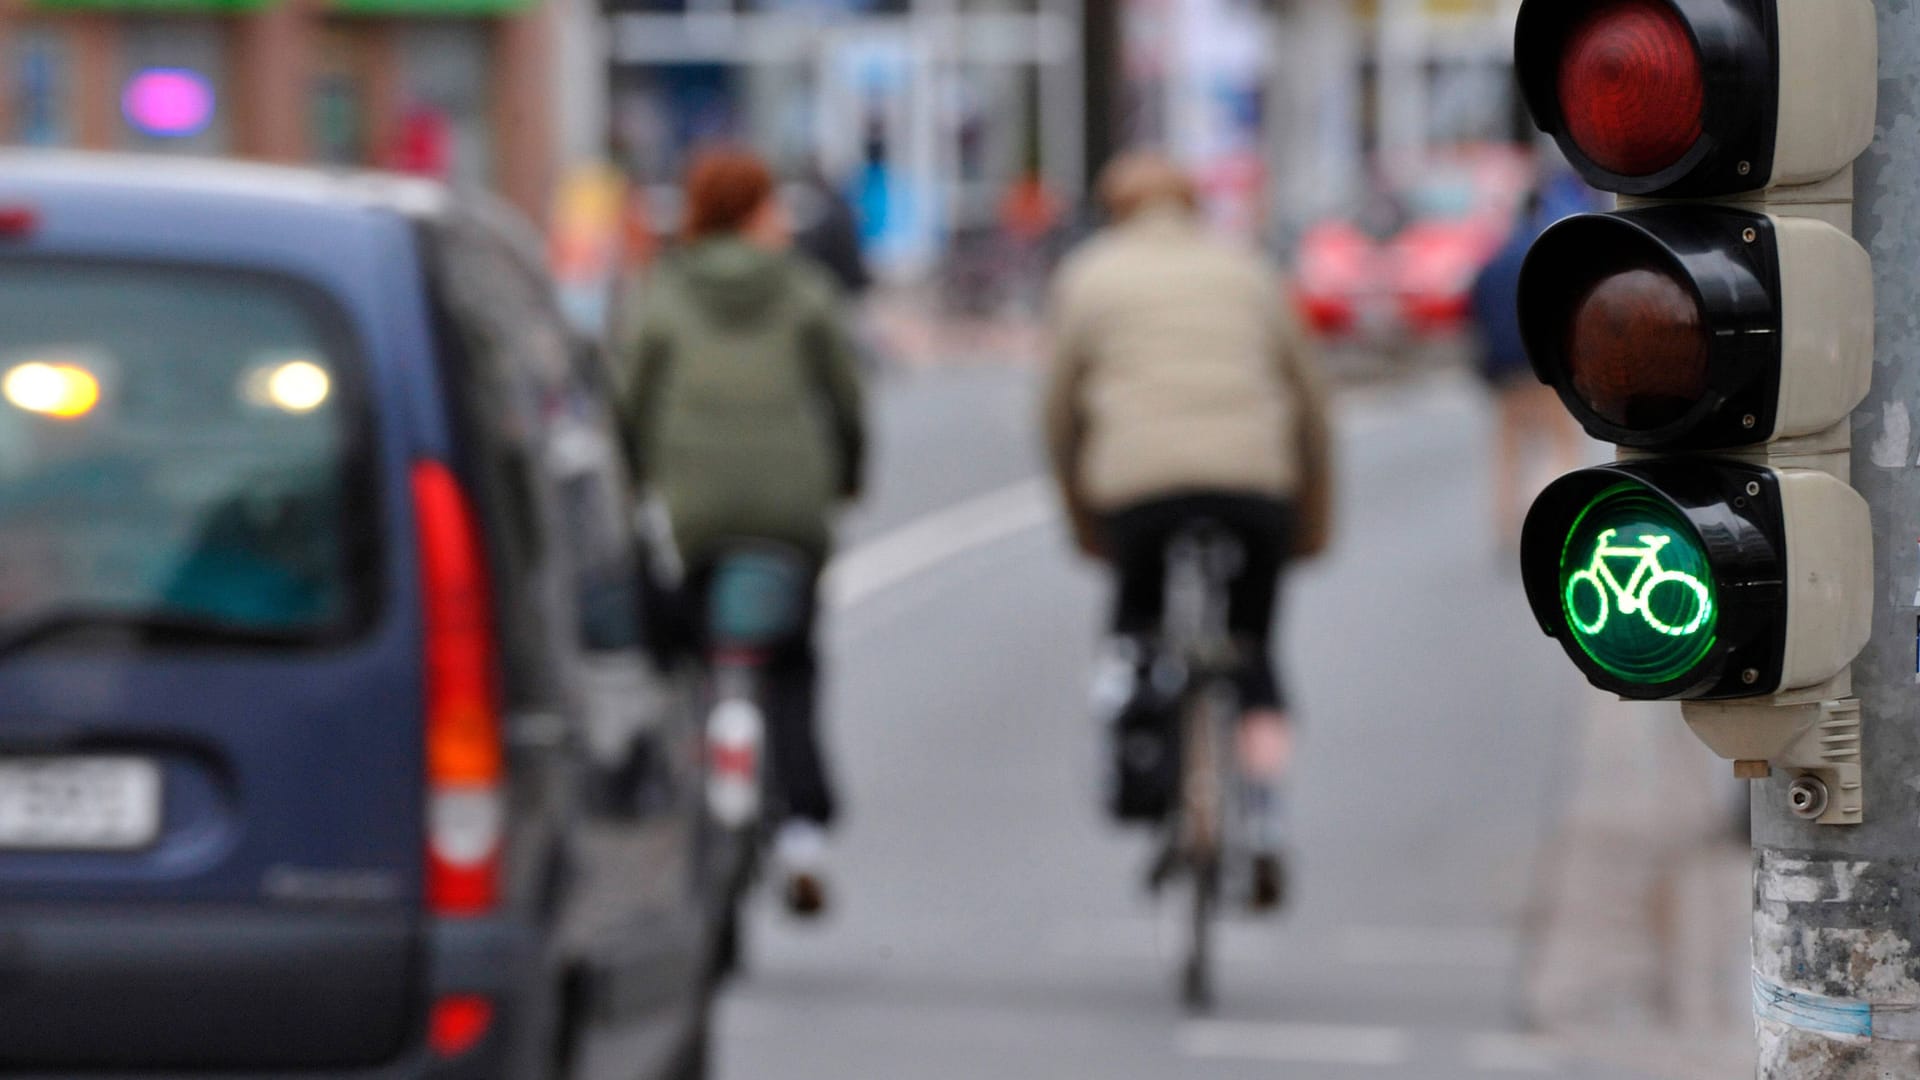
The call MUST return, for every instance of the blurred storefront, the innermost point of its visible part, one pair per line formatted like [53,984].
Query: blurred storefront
[925,113]
[1373,91]
[1197,76]
[462,90]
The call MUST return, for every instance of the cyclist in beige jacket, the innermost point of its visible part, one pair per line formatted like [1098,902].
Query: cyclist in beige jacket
[1182,391]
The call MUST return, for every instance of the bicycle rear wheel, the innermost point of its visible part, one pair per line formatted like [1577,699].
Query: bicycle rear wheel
[1206,769]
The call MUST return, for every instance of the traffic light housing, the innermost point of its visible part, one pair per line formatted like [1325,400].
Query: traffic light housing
[1682,580]
[1681,98]
[1718,329]
[1699,327]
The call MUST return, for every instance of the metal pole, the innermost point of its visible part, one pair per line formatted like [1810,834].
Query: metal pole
[1836,916]
[1100,59]
[1315,151]
[1400,55]
[1063,103]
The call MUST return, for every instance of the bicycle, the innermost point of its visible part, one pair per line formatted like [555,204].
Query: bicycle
[753,602]
[1636,596]
[1204,836]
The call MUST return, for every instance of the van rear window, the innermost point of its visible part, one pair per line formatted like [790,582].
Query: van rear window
[177,448]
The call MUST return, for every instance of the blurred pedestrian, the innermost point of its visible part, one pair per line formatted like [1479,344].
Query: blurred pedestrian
[829,234]
[745,407]
[1030,216]
[1530,415]
[1182,391]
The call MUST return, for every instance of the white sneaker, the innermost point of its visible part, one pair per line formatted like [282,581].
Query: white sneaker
[800,846]
[1116,678]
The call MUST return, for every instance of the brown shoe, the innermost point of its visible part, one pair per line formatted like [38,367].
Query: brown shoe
[806,896]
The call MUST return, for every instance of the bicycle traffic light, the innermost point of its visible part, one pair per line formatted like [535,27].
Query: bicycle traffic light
[1722,343]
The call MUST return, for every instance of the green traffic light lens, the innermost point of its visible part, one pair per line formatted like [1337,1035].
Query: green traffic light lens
[1637,587]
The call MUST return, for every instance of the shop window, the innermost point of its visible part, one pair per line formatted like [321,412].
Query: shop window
[42,73]
[338,107]
[174,86]
[446,121]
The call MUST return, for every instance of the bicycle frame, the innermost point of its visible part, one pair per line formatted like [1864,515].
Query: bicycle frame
[751,608]
[1203,834]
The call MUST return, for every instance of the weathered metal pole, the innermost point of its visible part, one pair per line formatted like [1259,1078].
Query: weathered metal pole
[1100,45]
[1836,915]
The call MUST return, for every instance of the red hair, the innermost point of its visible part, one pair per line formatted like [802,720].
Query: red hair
[725,187]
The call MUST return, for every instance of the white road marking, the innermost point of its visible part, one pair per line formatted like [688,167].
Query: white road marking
[866,571]
[1426,946]
[1295,1044]
[1500,1051]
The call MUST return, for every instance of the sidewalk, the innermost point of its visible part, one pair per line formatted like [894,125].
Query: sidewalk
[1640,952]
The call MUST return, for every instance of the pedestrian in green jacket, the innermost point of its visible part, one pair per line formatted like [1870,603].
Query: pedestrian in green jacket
[745,415]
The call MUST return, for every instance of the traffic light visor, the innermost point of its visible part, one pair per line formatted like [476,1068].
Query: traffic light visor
[1632,87]
[1637,589]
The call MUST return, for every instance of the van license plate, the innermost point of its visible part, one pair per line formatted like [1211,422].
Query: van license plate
[79,804]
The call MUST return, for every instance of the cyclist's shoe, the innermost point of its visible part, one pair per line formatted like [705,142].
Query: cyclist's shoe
[1267,891]
[799,851]
[806,896]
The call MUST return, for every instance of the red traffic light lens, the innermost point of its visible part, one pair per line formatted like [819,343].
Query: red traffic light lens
[1638,348]
[1631,87]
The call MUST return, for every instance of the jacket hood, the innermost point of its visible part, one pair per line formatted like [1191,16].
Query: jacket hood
[734,281]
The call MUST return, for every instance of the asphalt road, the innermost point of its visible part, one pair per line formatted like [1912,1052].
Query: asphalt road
[991,925]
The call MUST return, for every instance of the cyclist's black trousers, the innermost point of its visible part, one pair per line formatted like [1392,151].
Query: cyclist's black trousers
[789,692]
[1137,539]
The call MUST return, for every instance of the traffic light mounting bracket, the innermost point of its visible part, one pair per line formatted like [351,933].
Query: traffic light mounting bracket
[1828,451]
[1829,200]
[1816,742]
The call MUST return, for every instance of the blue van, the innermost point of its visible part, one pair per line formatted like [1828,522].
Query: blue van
[328,742]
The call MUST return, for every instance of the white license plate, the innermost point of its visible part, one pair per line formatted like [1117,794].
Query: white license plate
[79,803]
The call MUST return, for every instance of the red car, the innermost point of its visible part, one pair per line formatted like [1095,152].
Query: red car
[1401,267]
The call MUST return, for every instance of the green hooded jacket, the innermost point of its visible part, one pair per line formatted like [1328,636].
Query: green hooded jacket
[743,400]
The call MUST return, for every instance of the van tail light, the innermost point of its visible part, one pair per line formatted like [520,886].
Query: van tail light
[18,222]
[465,758]
[458,1024]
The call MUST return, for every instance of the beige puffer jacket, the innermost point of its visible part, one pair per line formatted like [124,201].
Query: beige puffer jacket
[1178,367]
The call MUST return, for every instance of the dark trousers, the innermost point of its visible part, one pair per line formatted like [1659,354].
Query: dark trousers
[789,692]
[1137,540]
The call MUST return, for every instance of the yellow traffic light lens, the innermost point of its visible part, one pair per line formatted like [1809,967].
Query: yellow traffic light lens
[60,391]
[1637,587]
[1638,349]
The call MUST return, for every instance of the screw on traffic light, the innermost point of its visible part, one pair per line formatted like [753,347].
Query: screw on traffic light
[1719,330]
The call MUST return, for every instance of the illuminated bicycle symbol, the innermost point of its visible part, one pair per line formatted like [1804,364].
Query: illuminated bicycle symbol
[1637,595]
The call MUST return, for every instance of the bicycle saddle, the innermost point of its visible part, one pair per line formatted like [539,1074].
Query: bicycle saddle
[1216,548]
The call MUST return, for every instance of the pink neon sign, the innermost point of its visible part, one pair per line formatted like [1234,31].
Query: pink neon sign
[169,103]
